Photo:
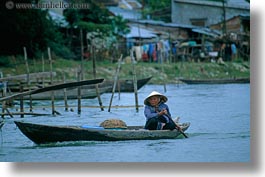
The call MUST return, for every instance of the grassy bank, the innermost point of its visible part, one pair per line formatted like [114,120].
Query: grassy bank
[166,73]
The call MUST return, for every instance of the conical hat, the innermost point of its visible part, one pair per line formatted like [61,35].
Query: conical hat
[163,98]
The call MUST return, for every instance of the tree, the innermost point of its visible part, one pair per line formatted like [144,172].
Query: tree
[96,18]
[97,22]
[157,9]
[30,28]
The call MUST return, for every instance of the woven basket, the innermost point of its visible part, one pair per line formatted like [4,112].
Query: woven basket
[113,123]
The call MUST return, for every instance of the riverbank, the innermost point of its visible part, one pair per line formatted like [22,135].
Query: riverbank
[162,73]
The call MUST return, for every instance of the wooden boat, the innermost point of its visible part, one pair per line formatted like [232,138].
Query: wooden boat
[71,94]
[47,134]
[52,88]
[89,91]
[123,85]
[215,81]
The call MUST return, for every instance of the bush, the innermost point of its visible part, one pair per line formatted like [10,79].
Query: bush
[61,51]
[5,61]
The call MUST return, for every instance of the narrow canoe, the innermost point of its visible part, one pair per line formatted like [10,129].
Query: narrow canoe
[215,81]
[71,94]
[123,85]
[40,134]
[52,88]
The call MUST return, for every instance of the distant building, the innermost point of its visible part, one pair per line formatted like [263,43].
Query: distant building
[238,32]
[205,12]
[236,24]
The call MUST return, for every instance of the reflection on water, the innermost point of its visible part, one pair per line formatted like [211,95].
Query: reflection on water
[219,132]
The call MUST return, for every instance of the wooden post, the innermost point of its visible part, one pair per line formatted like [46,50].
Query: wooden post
[224,17]
[95,76]
[15,62]
[65,94]
[43,69]
[115,81]
[170,48]
[79,92]
[51,78]
[4,107]
[99,99]
[26,62]
[4,102]
[28,79]
[162,68]
[82,54]
[119,89]
[134,82]
[21,100]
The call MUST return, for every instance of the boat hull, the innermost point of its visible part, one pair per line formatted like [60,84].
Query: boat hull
[70,93]
[123,85]
[215,81]
[40,134]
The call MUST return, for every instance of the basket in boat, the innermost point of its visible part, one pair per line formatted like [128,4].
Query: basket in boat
[113,123]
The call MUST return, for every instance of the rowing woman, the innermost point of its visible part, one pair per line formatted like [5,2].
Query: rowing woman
[157,113]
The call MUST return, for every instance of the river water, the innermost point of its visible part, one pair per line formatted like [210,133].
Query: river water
[219,131]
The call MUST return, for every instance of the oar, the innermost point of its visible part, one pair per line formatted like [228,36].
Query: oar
[179,128]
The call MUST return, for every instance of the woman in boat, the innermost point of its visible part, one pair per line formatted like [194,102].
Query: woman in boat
[157,113]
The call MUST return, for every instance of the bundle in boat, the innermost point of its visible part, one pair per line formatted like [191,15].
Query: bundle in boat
[113,124]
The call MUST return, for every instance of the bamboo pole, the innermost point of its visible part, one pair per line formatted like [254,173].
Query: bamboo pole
[119,89]
[170,48]
[4,107]
[82,54]
[65,94]
[26,62]
[4,102]
[21,100]
[162,68]
[43,68]
[51,78]
[95,76]
[28,78]
[134,82]
[79,92]
[115,81]
[8,113]
[14,60]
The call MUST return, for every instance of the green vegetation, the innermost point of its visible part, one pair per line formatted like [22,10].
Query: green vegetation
[106,69]
[157,9]
[35,29]
[27,28]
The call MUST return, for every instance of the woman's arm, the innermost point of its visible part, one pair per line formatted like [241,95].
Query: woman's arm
[168,112]
[149,113]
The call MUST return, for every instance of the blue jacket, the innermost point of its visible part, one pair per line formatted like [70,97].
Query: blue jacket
[150,111]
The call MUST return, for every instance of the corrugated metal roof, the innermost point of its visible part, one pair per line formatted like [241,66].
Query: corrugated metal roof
[196,29]
[207,32]
[137,32]
[229,3]
[236,3]
[161,23]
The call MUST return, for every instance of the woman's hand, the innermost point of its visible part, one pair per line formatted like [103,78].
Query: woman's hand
[163,112]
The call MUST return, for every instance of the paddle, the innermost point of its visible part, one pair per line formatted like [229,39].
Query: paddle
[178,127]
